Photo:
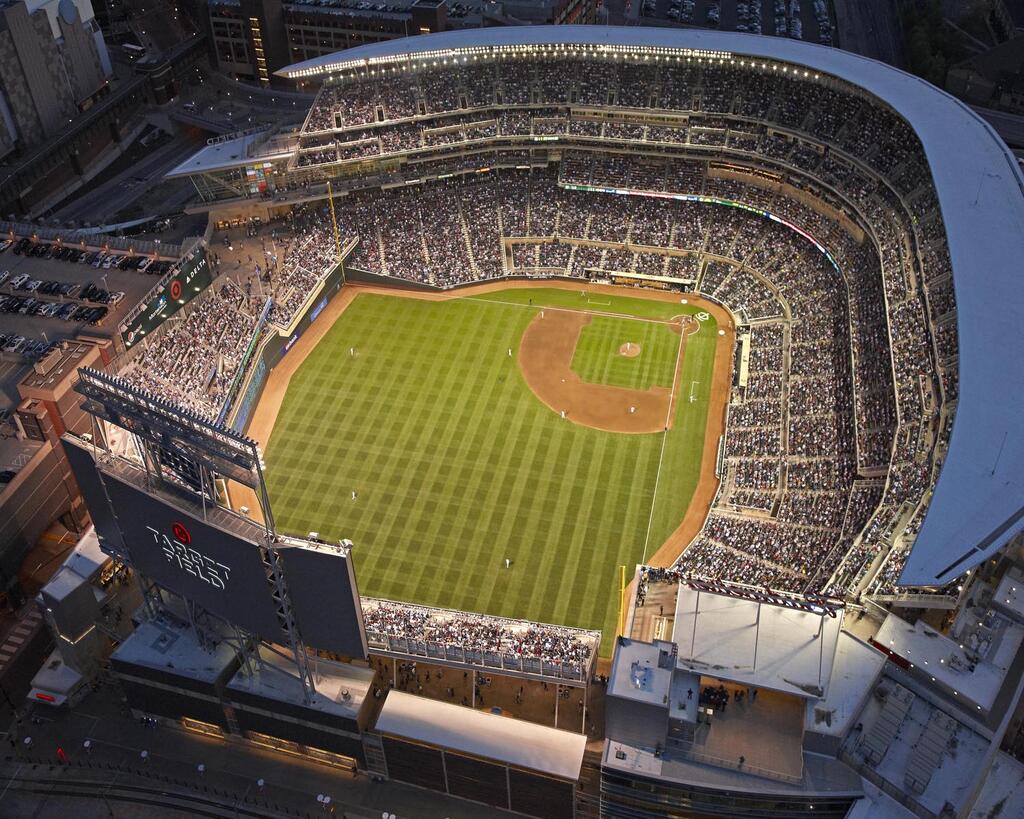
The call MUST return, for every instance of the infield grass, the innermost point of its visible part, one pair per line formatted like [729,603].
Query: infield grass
[597,358]
[456,464]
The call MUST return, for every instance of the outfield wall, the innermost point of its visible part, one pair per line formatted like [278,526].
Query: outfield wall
[381,280]
[275,347]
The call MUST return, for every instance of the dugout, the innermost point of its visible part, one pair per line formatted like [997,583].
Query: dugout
[499,761]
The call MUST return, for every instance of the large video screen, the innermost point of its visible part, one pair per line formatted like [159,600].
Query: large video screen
[83,467]
[191,279]
[218,570]
[325,600]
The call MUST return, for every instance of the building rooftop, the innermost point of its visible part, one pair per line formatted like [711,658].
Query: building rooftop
[951,778]
[856,668]
[51,376]
[1010,594]
[171,646]
[756,644]
[877,804]
[974,672]
[821,775]
[87,558]
[229,153]
[976,505]
[642,672]
[1002,793]
[340,688]
[515,742]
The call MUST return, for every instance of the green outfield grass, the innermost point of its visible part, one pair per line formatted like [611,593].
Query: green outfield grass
[457,465]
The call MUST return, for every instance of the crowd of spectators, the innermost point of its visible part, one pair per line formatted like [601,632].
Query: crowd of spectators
[387,621]
[194,357]
[812,413]
[843,344]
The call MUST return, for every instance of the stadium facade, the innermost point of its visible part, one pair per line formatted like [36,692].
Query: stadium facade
[896,498]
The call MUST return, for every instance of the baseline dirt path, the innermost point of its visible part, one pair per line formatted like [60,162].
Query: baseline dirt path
[707,484]
[545,360]
[265,414]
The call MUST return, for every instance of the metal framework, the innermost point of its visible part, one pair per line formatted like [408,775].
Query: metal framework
[182,447]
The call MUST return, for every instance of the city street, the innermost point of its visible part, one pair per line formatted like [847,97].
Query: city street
[113,773]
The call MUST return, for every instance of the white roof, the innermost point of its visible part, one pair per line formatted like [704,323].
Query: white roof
[169,645]
[515,742]
[1010,593]
[636,674]
[1001,794]
[229,153]
[87,558]
[876,804]
[945,660]
[341,688]
[856,668]
[761,645]
[978,502]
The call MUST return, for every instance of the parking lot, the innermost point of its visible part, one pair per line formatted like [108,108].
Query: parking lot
[45,299]
[808,20]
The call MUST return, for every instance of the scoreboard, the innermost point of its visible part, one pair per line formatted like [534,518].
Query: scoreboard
[188,281]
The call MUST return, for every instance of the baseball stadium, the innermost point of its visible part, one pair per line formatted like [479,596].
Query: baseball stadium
[527,344]
[564,265]
[584,305]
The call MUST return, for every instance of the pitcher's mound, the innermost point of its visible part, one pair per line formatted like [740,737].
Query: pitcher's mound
[630,349]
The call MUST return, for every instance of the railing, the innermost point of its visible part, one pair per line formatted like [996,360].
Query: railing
[453,653]
[886,786]
[688,750]
[69,236]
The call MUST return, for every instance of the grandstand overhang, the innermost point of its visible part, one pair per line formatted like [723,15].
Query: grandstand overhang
[977,504]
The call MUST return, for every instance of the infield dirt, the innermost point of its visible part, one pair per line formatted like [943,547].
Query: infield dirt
[545,360]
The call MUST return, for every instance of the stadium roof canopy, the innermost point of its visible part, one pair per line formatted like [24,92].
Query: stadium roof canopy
[756,643]
[978,502]
[550,751]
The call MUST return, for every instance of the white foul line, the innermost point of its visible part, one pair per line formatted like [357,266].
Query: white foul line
[664,439]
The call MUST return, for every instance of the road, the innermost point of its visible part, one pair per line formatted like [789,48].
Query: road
[114,757]
[101,202]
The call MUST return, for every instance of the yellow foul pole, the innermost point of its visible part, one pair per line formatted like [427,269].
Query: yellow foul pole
[337,236]
[622,599]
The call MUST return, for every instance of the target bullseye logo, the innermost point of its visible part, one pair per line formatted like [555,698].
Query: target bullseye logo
[181,534]
[176,289]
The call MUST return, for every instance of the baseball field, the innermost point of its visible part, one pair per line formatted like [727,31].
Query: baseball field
[559,429]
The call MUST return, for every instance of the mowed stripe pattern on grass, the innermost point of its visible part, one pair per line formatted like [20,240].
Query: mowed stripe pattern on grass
[597,359]
[457,466]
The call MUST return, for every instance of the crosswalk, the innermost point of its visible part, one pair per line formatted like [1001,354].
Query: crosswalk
[27,626]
